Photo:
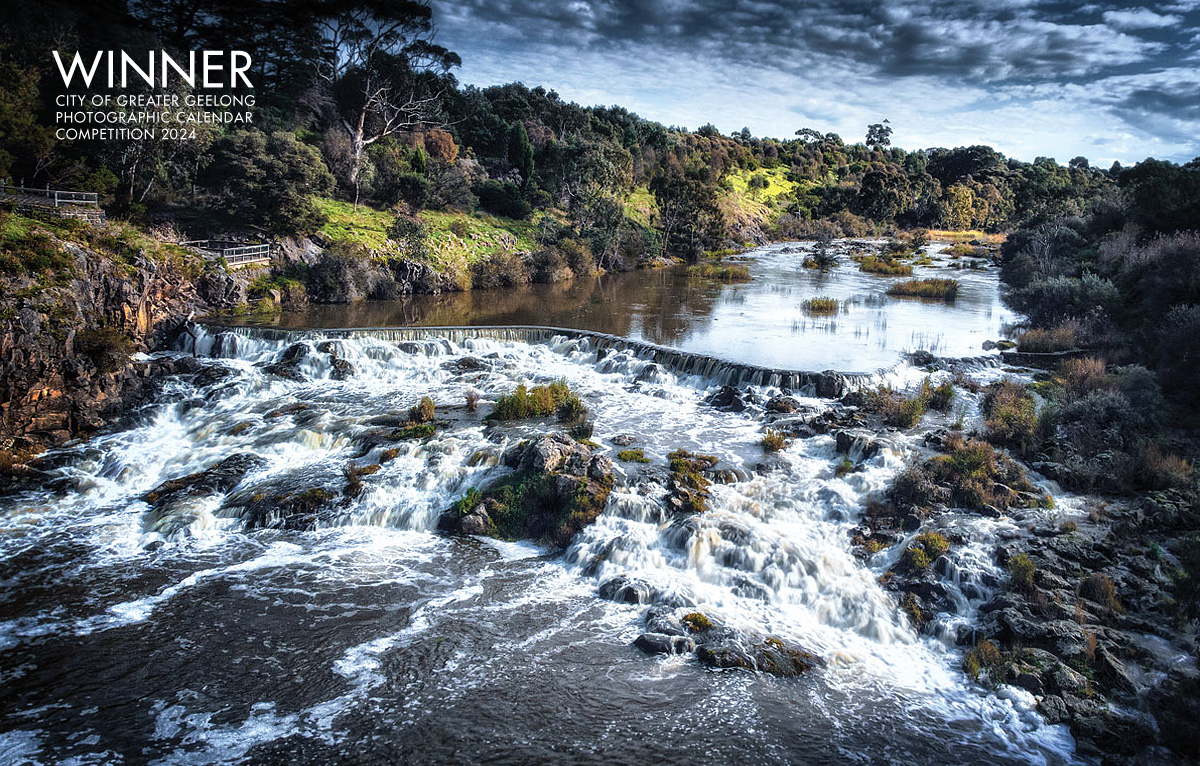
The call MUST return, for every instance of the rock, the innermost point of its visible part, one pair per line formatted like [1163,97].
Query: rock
[988,345]
[1030,683]
[661,643]
[921,358]
[627,590]
[770,655]
[220,478]
[623,440]
[727,400]
[662,619]
[1053,709]
[1111,671]
[857,444]
[477,522]
[782,404]
[558,487]
[1063,679]
[466,364]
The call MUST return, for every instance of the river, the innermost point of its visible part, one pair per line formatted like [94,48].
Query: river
[363,636]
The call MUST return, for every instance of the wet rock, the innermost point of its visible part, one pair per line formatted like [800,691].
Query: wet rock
[558,487]
[627,590]
[661,643]
[770,655]
[218,479]
[282,505]
[465,365]
[288,364]
[857,444]
[921,358]
[623,440]
[727,400]
[662,619]
[781,404]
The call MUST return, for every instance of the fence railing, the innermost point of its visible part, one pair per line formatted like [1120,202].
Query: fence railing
[234,253]
[56,196]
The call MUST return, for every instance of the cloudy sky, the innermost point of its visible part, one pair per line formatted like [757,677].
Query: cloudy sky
[1109,81]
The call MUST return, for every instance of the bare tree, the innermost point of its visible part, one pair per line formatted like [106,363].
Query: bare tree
[384,70]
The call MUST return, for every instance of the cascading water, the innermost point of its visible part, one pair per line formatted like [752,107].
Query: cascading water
[200,631]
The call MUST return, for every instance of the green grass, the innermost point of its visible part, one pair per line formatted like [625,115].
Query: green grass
[456,236]
[640,206]
[632,456]
[933,289]
[363,226]
[777,183]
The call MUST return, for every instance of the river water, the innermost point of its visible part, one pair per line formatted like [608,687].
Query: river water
[760,322]
[365,637]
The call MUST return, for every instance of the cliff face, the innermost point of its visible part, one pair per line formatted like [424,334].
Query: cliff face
[65,338]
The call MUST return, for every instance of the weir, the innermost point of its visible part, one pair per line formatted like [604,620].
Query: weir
[828,384]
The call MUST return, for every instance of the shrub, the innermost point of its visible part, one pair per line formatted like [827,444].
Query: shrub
[1010,415]
[503,269]
[1020,571]
[419,431]
[472,397]
[107,347]
[538,402]
[934,543]
[896,409]
[503,198]
[773,441]
[978,476]
[1082,376]
[1101,421]
[1162,470]
[916,559]
[940,396]
[468,502]
[1099,588]
[934,289]
[412,236]
[632,456]
[422,412]
[1045,341]
[820,306]
[984,656]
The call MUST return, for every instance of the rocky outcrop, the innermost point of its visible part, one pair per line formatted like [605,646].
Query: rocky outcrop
[336,277]
[1080,635]
[557,488]
[66,338]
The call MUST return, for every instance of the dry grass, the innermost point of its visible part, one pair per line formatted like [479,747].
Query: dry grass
[1061,338]
[821,306]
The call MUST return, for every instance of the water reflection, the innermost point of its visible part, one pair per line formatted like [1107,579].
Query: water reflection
[759,322]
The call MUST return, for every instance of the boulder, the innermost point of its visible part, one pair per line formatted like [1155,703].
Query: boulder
[727,400]
[661,643]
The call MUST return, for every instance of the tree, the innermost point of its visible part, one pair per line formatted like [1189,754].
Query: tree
[268,180]
[879,135]
[690,218]
[520,152]
[385,72]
